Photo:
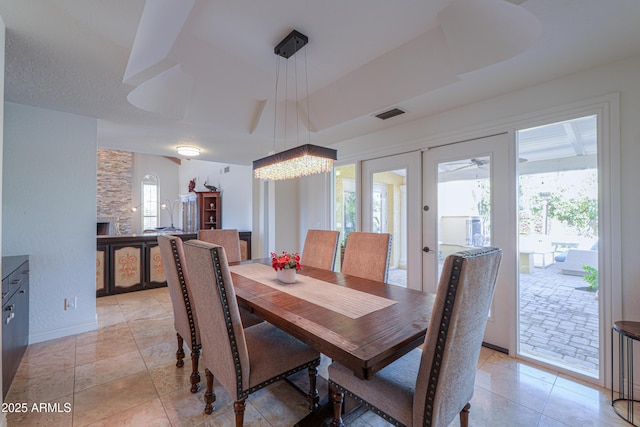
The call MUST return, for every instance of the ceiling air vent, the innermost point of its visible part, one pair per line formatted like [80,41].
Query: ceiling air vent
[389,113]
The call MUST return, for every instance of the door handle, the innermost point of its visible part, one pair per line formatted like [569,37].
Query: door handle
[426,249]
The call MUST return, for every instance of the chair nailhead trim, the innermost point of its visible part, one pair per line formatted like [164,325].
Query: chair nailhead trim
[195,346]
[222,290]
[388,418]
[442,340]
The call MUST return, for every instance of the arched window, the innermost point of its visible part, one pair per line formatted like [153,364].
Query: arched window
[150,205]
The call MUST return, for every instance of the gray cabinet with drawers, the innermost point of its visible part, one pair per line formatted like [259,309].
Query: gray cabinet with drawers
[15,315]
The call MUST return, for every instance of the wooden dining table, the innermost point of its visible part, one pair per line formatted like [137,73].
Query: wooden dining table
[362,324]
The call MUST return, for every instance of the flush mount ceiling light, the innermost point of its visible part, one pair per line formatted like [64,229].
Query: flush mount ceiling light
[306,159]
[188,151]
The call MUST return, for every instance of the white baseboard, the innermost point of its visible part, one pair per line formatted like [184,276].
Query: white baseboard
[64,332]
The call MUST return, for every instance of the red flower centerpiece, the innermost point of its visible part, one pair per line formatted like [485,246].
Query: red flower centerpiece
[285,266]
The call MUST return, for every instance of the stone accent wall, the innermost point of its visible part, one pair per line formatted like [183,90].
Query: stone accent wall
[114,201]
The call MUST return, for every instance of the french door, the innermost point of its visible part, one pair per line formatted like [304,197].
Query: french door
[469,195]
[386,208]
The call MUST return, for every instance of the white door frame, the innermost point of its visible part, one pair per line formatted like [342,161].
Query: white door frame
[412,162]
[499,148]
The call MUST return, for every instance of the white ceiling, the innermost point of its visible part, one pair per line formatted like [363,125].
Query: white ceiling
[203,72]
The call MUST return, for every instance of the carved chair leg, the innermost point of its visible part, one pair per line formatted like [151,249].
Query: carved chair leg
[180,352]
[209,395]
[313,397]
[464,415]
[195,375]
[337,399]
[238,408]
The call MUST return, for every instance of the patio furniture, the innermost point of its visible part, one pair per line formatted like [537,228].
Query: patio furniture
[576,259]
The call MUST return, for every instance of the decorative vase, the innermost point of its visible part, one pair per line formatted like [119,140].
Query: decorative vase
[286,275]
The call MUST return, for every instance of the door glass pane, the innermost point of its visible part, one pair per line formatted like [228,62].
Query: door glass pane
[388,214]
[558,245]
[464,206]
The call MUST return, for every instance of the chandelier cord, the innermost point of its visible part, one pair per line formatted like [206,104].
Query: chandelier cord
[295,70]
[306,81]
[275,104]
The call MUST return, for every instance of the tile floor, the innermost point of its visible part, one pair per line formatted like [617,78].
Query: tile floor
[124,374]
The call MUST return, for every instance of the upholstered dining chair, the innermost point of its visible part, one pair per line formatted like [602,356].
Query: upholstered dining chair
[229,239]
[172,253]
[320,248]
[243,360]
[430,387]
[367,255]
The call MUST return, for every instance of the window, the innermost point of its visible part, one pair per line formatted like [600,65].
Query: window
[150,207]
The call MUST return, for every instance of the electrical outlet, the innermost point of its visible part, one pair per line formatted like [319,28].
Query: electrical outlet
[70,303]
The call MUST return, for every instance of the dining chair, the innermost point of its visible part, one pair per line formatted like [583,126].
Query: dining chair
[367,255]
[320,248]
[244,360]
[184,318]
[430,387]
[229,239]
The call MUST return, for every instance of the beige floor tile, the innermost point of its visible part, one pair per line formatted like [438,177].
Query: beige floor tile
[106,333]
[110,300]
[112,398]
[577,409]
[225,417]
[109,315]
[168,378]
[43,364]
[492,410]
[520,367]
[44,388]
[57,412]
[521,388]
[550,422]
[186,409]
[149,414]
[160,354]
[58,345]
[163,330]
[124,374]
[109,369]
[104,349]
[280,404]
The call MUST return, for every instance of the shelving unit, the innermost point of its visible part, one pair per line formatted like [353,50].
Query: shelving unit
[210,209]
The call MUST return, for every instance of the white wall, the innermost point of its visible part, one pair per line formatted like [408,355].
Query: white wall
[236,187]
[621,77]
[167,172]
[287,216]
[48,213]
[314,211]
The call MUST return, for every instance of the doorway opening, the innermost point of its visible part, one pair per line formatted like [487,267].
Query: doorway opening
[558,245]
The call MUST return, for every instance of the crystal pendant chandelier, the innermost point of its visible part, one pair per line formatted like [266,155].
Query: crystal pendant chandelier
[307,159]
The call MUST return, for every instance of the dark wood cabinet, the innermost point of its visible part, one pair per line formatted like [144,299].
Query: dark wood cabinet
[245,236]
[15,316]
[130,263]
[210,210]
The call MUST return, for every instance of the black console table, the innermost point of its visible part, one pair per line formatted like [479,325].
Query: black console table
[130,263]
